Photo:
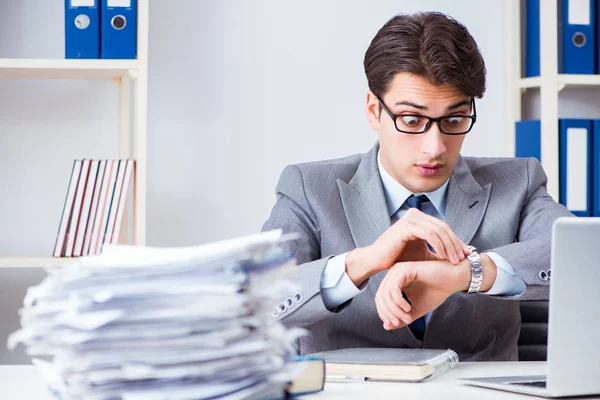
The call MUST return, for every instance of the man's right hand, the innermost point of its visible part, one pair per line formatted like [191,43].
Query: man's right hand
[406,240]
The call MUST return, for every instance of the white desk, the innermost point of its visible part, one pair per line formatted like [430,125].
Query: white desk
[442,387]
[24,383]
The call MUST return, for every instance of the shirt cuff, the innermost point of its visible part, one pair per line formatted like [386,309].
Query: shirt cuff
[336,286]
[508,282]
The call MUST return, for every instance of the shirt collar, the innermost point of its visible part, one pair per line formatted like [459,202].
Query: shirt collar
[396,194]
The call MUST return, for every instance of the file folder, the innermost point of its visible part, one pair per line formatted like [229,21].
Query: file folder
[119,29]
[577,41]
[532,38]
[575,165]
[597,37]
[596,168]
[528,139]
[82,29]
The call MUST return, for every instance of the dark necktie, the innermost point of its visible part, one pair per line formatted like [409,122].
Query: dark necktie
[418,325]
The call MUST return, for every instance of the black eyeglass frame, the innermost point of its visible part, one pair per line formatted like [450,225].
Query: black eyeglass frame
[430,120]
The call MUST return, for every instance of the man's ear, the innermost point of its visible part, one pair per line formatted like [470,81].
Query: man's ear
[373,110]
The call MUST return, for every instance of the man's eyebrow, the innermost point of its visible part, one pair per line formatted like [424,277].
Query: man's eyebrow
[425,108]
[411,104]
[459,104]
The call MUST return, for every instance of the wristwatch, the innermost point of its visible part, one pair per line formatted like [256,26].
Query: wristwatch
[476,270]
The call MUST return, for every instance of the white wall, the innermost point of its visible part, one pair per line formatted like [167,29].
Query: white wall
[251,86]
[237,90]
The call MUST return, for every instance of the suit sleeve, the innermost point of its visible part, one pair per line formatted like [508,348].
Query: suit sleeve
[530,254]
[508,282]
[292,213]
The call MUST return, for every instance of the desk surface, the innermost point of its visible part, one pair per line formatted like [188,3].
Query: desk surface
[25,383]
[445,386]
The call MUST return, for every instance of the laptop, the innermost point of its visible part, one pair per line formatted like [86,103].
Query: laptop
[573,360]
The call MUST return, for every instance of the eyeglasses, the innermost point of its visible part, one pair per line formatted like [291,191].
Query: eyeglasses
[449,125]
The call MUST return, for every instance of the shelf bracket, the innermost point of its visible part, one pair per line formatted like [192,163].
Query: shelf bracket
[560,87]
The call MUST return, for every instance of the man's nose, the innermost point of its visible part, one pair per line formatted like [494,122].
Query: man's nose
[433,142]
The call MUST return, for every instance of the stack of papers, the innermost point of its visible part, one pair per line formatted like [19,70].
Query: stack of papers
[164,323]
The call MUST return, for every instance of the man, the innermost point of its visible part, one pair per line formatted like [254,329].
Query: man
[385,256]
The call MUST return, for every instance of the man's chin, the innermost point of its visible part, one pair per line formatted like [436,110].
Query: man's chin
[427,185]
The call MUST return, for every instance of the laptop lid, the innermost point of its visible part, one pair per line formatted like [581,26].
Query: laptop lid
[574,316]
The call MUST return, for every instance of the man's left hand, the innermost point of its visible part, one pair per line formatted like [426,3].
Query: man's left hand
[427,284]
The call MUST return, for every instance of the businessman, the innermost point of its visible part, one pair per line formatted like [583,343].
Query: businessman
[410,244]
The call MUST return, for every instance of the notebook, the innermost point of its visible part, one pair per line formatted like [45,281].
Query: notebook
[309,376]
[384,364]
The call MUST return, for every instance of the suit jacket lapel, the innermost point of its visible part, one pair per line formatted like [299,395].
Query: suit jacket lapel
[466,202]
[364,203]
[367,214]
[365,207]
[366,210]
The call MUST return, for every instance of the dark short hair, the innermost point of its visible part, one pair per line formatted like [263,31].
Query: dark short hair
[431,45]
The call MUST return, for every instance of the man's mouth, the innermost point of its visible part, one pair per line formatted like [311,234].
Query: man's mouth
[429,169]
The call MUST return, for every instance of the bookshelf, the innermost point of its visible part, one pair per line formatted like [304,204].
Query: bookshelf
[131,77]
[549,83]
[34,68]
[38,262]
[562,81]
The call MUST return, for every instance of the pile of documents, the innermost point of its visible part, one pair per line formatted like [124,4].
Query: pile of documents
[164,323]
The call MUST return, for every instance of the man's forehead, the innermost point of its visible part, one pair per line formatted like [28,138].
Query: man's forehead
[408,85]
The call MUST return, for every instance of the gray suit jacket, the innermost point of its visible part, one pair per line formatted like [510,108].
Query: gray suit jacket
[498,204]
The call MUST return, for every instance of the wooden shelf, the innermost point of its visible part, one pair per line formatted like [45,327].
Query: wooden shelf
[131,78]
[528,83]
[579,80]
[33,262]
[550,83]
[562,80]
[67,69]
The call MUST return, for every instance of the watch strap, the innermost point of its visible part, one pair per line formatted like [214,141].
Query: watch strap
[476,270]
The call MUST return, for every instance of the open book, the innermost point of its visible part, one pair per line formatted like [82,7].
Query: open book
[383,364]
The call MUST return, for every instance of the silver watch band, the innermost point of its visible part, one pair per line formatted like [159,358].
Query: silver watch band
[476,270]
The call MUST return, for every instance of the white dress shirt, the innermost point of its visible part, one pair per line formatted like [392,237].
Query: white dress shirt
[336,285]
